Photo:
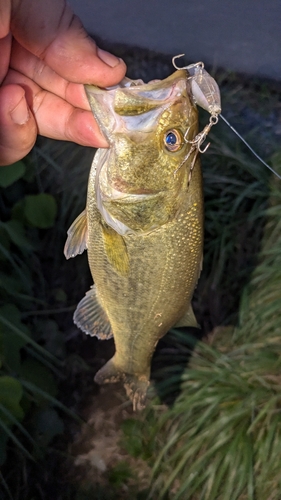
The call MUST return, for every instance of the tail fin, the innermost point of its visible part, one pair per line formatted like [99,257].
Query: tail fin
[136,389]
[136,386]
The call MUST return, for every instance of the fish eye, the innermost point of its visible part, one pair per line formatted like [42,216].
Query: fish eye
[173,140]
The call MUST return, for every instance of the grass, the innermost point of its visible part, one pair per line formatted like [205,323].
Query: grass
[220,438]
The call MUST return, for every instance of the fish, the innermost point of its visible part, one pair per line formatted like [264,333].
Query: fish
[142,225]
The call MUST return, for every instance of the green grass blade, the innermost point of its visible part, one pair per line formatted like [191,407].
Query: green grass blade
[15,440]
[36,390]
[5,486]
[15,422]
[29,340]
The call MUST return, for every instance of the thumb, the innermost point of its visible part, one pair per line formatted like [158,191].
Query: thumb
[18,130]
[54,34]
[75,56]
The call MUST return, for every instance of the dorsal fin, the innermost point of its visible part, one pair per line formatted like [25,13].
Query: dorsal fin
[76,241]
[91,318]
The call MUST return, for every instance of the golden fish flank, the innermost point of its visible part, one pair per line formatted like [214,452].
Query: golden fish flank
[142,226]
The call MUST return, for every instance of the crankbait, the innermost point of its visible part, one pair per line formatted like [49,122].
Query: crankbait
[206,94]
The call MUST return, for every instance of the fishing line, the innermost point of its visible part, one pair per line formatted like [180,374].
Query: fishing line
[249,147]
[206,93]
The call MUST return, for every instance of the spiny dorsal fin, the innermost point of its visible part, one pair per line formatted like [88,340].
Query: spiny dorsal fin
[116,250]
[91,318]
[76,241]
[188,319]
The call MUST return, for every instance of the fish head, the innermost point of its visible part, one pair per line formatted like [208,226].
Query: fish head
[143,177]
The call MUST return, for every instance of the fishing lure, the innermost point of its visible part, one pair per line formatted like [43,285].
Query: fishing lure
[205,92]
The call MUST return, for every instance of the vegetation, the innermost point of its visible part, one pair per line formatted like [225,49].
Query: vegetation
[213,432]
[221,439]
[32,345]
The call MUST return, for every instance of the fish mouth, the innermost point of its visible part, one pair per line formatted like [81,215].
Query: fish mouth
[132,104]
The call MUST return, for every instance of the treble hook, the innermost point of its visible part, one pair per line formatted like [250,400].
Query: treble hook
[198,78]
[190,66]
[196,144]
[200,138]
[205,93]
[198,141]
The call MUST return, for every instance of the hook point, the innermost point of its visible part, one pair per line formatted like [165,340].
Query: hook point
[177,57]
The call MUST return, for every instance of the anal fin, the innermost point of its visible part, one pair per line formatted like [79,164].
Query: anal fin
[91,318]
[76,241]
[188,319]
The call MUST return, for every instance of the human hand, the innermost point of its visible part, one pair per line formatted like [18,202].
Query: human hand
[45,58]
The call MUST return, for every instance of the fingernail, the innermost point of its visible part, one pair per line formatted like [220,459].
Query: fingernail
[108,58]
[20,114]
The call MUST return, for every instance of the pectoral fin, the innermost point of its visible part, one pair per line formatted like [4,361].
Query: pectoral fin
[91,318]
[188,319]
[116,250]
[76,241]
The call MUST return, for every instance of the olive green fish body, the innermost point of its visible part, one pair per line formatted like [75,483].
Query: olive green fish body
[143,228]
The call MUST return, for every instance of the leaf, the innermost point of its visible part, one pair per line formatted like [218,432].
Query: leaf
[23,333]
[3,445]
[9,283]
[10,396]
[13,437]
[40,210]
[17,212]
[54,339]
[47,425]
[12,420]
[34,372]
[3,482]
[35,390]
[11,342]
[19,267]
[11,173]
[5,243]
[59,295]
[120,474]
[15,230]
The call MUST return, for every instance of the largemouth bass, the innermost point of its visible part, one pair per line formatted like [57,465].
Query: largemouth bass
[143,224]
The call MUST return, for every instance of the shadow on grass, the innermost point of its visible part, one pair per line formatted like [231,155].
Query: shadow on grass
[171,359]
